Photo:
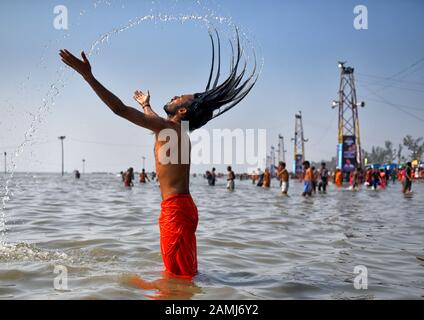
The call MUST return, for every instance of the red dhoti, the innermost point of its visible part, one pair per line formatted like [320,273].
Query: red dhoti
[178,222]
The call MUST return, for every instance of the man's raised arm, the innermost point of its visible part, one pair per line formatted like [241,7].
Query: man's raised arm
[83,67]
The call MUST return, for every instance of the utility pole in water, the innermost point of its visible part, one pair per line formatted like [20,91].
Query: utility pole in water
[63,167]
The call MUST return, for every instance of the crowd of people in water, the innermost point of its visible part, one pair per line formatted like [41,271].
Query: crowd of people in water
[314,180]
[128,177]
[318,179]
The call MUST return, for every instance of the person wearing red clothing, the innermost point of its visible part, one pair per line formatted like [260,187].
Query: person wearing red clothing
[179,217]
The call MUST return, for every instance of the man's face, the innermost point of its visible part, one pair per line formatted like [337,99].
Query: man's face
[171,108]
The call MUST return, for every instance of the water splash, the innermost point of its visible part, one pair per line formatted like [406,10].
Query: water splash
[47,101]
[28,252]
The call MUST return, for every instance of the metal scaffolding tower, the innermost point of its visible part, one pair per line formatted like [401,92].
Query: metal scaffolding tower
[299,145]
[272,161]
[272,154]
[281,151]
[349,151]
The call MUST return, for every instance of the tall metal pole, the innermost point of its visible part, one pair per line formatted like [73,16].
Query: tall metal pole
[63,154]
[5,163]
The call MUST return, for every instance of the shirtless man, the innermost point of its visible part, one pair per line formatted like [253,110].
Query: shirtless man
[179,217]
[230,179]
[315,175]
[128,178]
[211,177]
[355,178]
[407,179]
[307,179]
[213,173]
[283,176]
[267,179]
[143,176]
[323,175]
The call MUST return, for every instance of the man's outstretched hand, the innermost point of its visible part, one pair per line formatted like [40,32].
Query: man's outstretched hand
[83,66]
[141,98]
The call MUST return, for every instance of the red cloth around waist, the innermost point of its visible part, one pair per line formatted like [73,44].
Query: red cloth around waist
[178,223]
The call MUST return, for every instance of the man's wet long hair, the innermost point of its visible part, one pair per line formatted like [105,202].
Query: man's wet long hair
[219,98]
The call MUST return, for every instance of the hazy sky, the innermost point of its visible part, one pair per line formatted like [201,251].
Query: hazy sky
[300,41]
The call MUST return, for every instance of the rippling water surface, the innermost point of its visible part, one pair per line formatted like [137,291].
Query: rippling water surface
[252,243]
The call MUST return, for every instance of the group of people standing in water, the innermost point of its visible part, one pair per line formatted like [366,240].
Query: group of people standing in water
[380,178]
[128,177]
[377,178]
[318,179]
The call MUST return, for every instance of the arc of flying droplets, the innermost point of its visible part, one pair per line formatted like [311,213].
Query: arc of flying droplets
[229,93]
